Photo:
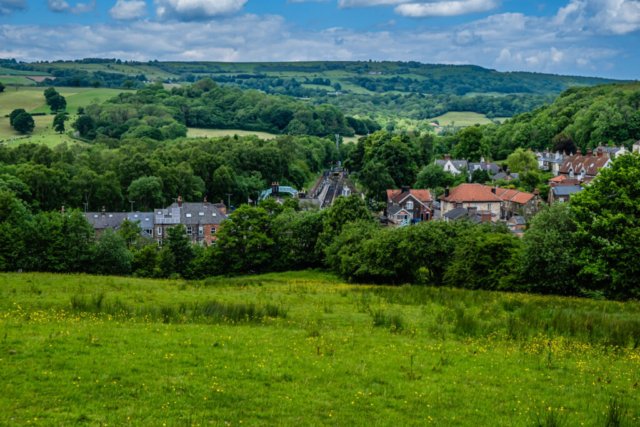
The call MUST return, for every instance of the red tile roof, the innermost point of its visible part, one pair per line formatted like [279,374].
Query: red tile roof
[515,196]
[470,193]
[423,195]
[590,164]
[558,178]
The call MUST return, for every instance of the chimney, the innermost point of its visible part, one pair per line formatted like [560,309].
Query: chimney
[588,151]
[205,202]
[578,153]
[536,192]
[223,207]
[485,216]
[103,212]
[405,189]
[508,171]
[472,211]
[447,192]
[614,146]
[488,161]
[447,156]
[600,151]
[482,159]
[63,212]
[606,145]
[179,201]
[564,153]
[494,189]
[553,184]
[537,151]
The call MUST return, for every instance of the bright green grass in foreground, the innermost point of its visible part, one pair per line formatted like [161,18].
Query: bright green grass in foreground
[303,349]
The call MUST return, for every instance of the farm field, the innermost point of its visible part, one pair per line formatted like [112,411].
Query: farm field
[213,133]
[33,101]
[9,80]
[305,349]
[462,119]
[40,135]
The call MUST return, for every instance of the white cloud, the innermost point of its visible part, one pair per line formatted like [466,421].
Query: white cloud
[445,8]
[61,6]
[84,7]
[347,4]
[126,10]
[9,6]
[196,9]
[58,5]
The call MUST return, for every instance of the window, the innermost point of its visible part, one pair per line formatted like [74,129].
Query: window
[214,214]
[135,216]
[489,206]
[149,231]
[213,230]
[189,231]
[188,215]
[160,243]
[159,213]
[201,214]
[159,231]
[200,231]
[410,205]
[146,219]
[110,215]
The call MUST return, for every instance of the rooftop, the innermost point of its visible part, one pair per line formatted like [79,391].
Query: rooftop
[470,193]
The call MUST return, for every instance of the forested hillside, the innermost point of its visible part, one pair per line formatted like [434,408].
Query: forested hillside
[383,91]
[580,117]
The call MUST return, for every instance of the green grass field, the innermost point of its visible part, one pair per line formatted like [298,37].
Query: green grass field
[213,133]
[42,134]
[462,119]
[32,98]
[303,349]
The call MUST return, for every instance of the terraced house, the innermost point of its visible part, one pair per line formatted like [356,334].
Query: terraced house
[202,220]
[406,206]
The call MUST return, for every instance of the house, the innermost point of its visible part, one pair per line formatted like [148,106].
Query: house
[563,193]
[636,147]
[471,214]
[470,196]
[614,151]
[454,166]
[550,161]
[144,220]
[517,225]
[505,176]
[588,166]
[102,221]
[408,206]
[491,168]
[514,202]
[202,220]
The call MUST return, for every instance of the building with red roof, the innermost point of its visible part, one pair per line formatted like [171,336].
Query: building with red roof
[407,206]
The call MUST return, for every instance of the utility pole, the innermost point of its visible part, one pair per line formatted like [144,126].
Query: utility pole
[86,204]
[132,202]
[229,198]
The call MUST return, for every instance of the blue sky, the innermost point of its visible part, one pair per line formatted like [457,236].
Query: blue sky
[581,37]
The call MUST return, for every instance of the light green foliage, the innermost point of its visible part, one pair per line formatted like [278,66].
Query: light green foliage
[432,176]
[344,210]
[471,145]
[608,216]
[521,160]
[129,231]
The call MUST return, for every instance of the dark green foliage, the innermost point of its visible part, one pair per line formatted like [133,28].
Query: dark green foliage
[549,251]
[147,191]
[183,253]
[57,103]
[111,256]
[58,122]
[85,125]
[23,123]
[607,213]
[480,176]
[145,261]
[2,87]
[472,145]
[375,177]
[345,210]
[15,113]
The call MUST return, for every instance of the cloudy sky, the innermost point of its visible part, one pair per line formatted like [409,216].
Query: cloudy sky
[581,37]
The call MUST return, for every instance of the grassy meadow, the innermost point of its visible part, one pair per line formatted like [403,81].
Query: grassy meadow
[462,119]
[42,134]
[305,349]
[214,133]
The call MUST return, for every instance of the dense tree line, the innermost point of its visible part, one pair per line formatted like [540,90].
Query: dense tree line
[587,248]
[159,114]
[155,173]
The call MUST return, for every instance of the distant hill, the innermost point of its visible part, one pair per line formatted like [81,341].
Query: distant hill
[353,77]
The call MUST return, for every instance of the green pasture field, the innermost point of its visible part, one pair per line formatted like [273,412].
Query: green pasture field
[8,80]
[12,72]
[303,349]
[42,134]
[213,133]
[32,98]
[462,119]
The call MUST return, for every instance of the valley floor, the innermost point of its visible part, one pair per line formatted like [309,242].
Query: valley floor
[305,349]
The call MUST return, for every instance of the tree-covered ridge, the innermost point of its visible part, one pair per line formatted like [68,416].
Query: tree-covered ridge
[46,179]
[582,117]
[160,114]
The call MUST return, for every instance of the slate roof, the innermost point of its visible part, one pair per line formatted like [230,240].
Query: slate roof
[566,190]
[503,175]
[550,157]
[611,150]
[397,196]
[465,193]
[637,144]
[492,168]
[109,220]
[457,213]
[199,214]
[518,220]
[393,210]
[458,164]
[146,219]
